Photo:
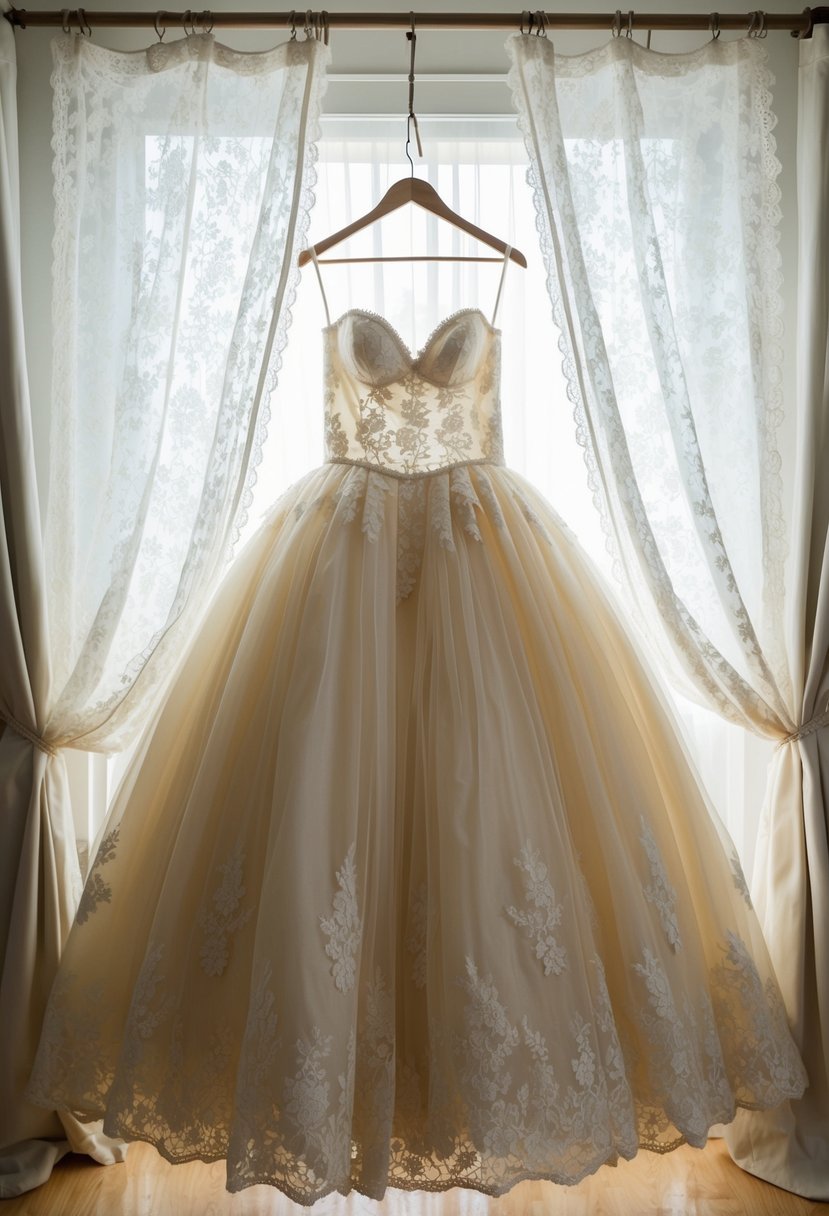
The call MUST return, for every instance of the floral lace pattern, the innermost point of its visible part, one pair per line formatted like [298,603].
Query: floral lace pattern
[224,916]
[691,501]
[449,504]
[544,916]
[412,414]
[659,890]
[740,879]
[343,927]
[190,163]
[96,890]
[502,1097]
[416,938]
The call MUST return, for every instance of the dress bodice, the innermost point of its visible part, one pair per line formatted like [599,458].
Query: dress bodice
[412,414]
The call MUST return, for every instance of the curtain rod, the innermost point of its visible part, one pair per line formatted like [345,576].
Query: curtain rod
[800,24]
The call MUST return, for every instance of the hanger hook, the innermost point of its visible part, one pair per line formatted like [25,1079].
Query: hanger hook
[86,29]
[412,117]
[714,25]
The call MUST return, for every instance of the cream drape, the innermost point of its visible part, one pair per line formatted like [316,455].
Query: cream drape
[655,184]
[39,875]
[162,332]
[792,871]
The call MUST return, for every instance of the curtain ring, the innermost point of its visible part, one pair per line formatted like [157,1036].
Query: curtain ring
[292,23]
[629,31]
[186,17]
[65,22]
[160,27]
[795,33]
[805,33]
[308,24]
[206,21]
[757,24]
[714,25]
[616,28]
[528,18]
[541,23]
[84,27]
[324,26]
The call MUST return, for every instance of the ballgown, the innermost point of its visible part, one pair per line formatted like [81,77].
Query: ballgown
[412,884]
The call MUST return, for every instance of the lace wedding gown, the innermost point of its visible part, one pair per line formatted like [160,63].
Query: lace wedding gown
[412,885]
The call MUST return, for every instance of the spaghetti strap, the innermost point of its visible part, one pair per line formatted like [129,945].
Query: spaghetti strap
[322,289]
[507,252]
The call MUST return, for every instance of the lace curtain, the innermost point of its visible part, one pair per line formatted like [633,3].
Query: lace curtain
[183,180]
[655,185]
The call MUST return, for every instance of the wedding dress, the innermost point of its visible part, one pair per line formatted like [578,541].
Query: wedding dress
[411,884]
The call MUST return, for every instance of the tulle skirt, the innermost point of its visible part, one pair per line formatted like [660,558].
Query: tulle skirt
[411,884]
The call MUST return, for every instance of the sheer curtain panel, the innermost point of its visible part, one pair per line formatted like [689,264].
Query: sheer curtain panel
[183,182]
[655,184]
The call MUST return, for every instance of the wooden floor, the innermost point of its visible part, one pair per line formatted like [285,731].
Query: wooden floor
[688,1182]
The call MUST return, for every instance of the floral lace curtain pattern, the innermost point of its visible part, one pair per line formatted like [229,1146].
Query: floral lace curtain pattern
[656,199]
[183,184]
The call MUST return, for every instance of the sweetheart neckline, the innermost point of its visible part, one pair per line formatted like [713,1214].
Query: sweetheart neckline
[414,357]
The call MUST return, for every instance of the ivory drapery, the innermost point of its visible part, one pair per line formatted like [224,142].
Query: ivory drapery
[182,188]
[792,873]
[38,863]
[655,184]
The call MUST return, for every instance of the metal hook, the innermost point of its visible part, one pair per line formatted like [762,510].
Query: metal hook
[186,18]
[308,26]
[84,28]
[616,28]
[411,118]
[629,31]
[540,18]
[527,18]
[292,23]
[65,23]
[160,27]
[714,25]
[206,21]
[324,28]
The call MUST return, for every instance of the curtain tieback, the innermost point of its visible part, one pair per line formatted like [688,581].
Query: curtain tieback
[37,740]
[808,728]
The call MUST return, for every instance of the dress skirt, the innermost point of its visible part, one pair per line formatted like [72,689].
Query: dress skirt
[411,884]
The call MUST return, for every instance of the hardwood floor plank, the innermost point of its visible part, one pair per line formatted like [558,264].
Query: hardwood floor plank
[688,1182]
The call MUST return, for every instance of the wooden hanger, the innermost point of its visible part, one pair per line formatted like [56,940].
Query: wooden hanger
[413,190]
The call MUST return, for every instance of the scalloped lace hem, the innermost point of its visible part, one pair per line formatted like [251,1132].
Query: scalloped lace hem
[611,1155]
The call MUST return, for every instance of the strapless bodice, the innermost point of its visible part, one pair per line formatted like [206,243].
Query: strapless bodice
[412,414]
